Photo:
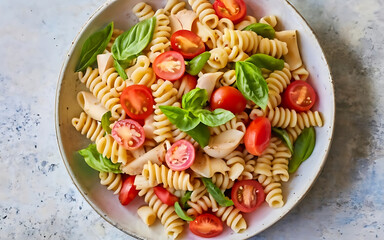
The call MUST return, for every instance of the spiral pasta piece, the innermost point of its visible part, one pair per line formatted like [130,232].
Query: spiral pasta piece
[246,41]
[272,47]
[179,180]
[141,73]
[202,205]
[247,20]
[174,6]
[233,218]
[199,190]
[228,79]
[270,20]
[222,181]
[160,40]
[234,123]
[112,180]
[293,132]
[88,126]
[224,23]
[278,80]
[113,80]
[172,223]
[235,54]
[282,117]
[250,164]
[272,189]
[205,11]
[300,74]
[109,148]
[264,162]
[217,60]
[143,11]
[280,163]
[236,164]
[309,119]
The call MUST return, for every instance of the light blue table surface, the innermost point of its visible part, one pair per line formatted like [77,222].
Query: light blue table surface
[39,201]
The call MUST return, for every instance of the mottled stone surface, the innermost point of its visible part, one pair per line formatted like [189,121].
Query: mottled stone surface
[38,199]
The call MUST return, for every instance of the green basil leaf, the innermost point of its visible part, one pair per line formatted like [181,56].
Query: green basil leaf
[261,29]
[120,70]
[184,199]
[105,122]
[201,134]
[197,63]
[251,84]
[130,44]
[94,45]
[195,99]
[283,135]
[265,61]
[213,119]
[180,212]
[96,160]
[303,148]
[216,193]
[182,118]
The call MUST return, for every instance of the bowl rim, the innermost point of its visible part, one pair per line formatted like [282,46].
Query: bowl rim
[85,196]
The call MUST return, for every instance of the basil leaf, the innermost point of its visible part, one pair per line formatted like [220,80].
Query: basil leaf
[120,70]
[184,199]
[96,160]
[197,63]
[213,119]
[265,61]
[303,146]
[180,212]
[216,193]
[130,44]
[251,84]
[195,99]
[105,122]
[283,135]
[94,45]
[261,29]
[182,118]
[201,134]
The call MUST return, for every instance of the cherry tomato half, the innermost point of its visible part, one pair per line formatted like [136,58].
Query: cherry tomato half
[228,98]
[206,225]
[165,196]
[247,195]
[234,10]
[128,190]
[169,65]
[188,43]
[180,156]
[128,133]
[299,96]
[137,101]
[257,136]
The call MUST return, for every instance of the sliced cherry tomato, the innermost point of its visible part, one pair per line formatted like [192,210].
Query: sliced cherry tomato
[234,10]
[206,225]
[257,136]
[299,96]
[165,196]
[180,156]
[169,65]
[247,195]
[128,190]
[188,43]
[228,98]
[186,83]
[128,133]
[137,101]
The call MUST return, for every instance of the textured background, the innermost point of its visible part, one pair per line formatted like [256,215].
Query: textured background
[38,199]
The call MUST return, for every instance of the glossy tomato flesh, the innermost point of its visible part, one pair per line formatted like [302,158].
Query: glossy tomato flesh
[228,98]
[169,66]
[188,43]
[234,10]
[128,190]
[299,96]
[206,225]
[247,195]
[165,196]
[137,101]
[257,136]
[128,133]
[180,156]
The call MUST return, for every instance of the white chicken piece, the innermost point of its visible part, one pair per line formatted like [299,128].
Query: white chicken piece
[104,62]
[208,82]
[293,57]
[223,144]
[175,24]
[91,105]
[186,18]
[149,127]
[207,167]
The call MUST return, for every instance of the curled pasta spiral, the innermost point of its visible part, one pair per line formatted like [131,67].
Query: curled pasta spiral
[224,23]
[250,164]
[282,117]
[270,20]
[309,119]
[280,163]
[202,205]
[179,180]
[141,72]
[272,189]
[272,47]
[115,34]
[236,164]
[143,11]
[217,60]
[294,132]
[222,181]
[248,20]
[174,6]
[234,123]
[300,74]
[160,40]
[172,223]
[199,190]
[228,79]
[247,41]
[278,80]
[235,54]
[264,162]
[88,126]
[205,11]
[112,180]
[232,217]
[109,148]
[113,80]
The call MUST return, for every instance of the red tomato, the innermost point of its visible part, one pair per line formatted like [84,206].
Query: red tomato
[188,43]
[234,10]
[257,136]
[128,133]
[169,66]
[137,101]
[247,195]
[165,196]
[228,98]
[206,225]
[128,190]
[299,96]
[180,156]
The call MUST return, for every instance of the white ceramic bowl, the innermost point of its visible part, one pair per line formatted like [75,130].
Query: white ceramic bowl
[126,218]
